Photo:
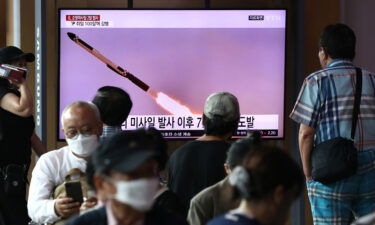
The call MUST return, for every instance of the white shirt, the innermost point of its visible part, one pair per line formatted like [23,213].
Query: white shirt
[49,172]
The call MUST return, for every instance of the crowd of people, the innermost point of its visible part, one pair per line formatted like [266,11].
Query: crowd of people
[211,180]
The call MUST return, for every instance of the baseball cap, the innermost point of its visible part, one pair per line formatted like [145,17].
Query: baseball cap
[123,152]
[222,104]
[10,53]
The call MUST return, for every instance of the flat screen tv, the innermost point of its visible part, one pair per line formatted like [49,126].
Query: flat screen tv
[176,59]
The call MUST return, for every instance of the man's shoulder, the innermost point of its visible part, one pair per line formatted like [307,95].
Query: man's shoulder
[96,216]
[331,71]
[54,155]
[205,144]
[188,145]
[317,75]
[183,149]
[207,194]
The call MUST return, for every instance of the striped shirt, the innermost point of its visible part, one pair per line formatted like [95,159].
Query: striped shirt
[108,131]
[326,101]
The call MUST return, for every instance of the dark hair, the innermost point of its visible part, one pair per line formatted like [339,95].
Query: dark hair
[114,105]
[90,172]
[160,145]
[218,127]
[239,149]
[4,82]
[263,170]
[338,40]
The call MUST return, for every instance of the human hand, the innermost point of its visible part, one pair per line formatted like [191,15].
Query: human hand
[88,204]
[17,82]
[65,207]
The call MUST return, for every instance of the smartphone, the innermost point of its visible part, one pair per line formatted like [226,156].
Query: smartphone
[12,72]
[74,190]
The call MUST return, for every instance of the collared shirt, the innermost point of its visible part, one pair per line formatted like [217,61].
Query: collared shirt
[49,172]
[111,220]
[109,130]
[326,101]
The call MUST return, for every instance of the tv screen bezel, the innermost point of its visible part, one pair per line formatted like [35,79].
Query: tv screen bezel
[176,9]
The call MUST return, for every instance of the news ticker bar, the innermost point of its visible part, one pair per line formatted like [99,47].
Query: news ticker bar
[197,133]
[195,122]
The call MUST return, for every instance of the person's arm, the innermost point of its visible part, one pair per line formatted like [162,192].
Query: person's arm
[306,141]
[40,207]
[37,145]
[21,106]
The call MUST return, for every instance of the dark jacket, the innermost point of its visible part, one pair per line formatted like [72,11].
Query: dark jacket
[154,217]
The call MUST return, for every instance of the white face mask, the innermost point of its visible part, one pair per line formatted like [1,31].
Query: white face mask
[83,145]
[138,194]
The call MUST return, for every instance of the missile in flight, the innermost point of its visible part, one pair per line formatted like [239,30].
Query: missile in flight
[117,69]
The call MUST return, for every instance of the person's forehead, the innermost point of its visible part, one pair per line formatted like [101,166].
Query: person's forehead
[79,116]
[20,61]
[144,170]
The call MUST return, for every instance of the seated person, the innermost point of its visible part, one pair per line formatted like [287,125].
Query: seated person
[125,173]
[218,198]
[268,182]
[82,129]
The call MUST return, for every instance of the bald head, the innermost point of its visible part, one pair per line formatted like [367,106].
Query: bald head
[81,117]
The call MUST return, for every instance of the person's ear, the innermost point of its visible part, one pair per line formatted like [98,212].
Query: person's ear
[227,169]
[98,182]
[278,194]
[204,119]
[100,129]
[325,54]
[102,185]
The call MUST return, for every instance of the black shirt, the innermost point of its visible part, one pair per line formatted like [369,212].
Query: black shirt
[169,201]
[195,166]
[15,134]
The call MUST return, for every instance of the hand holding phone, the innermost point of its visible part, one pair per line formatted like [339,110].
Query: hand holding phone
[66,207]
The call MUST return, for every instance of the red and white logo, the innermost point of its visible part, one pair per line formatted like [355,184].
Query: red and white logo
[82,17]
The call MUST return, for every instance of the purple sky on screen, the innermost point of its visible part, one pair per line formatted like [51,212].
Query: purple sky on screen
[188,64]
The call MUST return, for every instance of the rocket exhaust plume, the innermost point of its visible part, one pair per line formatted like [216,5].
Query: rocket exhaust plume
[171,105]
[168,103]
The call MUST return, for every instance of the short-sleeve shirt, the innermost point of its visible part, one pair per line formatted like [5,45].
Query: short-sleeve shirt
[195,166]
[326,101]
[15,134]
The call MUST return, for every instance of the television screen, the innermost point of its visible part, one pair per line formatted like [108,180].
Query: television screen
[175,60]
